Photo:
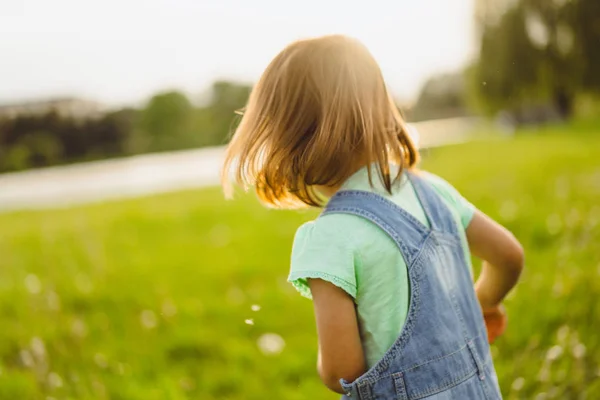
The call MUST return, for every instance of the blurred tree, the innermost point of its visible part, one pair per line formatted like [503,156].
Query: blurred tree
[108,136]
[166,121]
[507,71]
[489,12]
[586,28]
[534,51]
[227,97]
[35,149]
[442,96]
[113,133]
[205,127]
[43,140]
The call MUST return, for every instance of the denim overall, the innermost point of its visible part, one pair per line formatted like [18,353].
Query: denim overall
[442,351]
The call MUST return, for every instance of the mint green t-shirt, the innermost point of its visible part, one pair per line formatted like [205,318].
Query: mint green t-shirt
[360,258]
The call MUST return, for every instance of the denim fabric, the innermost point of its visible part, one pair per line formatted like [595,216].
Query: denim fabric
[442,351]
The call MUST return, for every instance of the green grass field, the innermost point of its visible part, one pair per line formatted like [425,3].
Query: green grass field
[148,298]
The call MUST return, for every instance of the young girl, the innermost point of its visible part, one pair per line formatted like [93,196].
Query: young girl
[387,263]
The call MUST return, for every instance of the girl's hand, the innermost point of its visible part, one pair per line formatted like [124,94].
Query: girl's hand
[495,321]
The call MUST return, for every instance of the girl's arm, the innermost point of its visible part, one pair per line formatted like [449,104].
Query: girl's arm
[503,259]
[340,349]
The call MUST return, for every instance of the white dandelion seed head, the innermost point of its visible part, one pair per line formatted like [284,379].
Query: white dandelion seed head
[554,353]
[579,350]
[148,319]
[563,333]
[54,380]
[38,348]
[168,308]
[518,384]
[26,358]
[33,284]
[271,344]
[79,328]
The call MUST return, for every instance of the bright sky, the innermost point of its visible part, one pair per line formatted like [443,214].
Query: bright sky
[123,51]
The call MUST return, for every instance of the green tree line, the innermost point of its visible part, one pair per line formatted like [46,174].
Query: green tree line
[169,121]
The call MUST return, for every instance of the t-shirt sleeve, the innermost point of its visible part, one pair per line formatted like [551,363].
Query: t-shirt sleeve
[320,252]
[462,206]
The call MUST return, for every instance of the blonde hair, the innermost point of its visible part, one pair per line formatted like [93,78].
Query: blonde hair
[319,112]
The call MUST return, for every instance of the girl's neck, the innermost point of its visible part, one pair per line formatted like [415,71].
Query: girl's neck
[329,191]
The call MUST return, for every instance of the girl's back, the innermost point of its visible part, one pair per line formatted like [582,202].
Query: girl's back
[442,351]
[364,261]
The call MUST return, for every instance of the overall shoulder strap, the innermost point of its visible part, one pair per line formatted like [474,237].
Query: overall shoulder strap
[437,212]
[402,227]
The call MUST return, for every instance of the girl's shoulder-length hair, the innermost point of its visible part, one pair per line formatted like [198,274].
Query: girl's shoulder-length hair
[320,111]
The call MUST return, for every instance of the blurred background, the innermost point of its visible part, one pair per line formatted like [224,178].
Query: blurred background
[125,275]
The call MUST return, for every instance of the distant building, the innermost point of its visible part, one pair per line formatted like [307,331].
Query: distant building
[65,107]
